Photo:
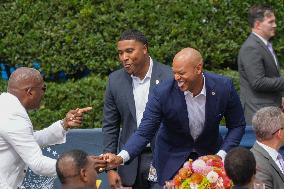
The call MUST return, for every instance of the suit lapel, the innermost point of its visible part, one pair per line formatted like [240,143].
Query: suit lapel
[129,93]
[261,43]
[155,76]
[211,101]
[263,152]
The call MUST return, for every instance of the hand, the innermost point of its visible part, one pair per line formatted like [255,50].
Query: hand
[114,179]
[113,160]
[74,117]
[100,163]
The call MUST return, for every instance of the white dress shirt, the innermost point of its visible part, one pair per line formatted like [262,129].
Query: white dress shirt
[20,145]
[273,154]
[141,92]
[196,111]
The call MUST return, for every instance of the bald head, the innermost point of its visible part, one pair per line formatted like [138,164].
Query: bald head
[187,69]
[188,56]
[23,78]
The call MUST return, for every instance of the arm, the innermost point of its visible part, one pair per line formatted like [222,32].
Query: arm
[255,71]
[148,127]
[235,121]
[56,133]
[111,122]
[21,139]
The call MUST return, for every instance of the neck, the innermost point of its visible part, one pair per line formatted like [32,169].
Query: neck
[272,144]
[142,73]
[260,33]
[199,86]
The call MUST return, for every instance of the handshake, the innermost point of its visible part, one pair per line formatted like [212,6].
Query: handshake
[107,161]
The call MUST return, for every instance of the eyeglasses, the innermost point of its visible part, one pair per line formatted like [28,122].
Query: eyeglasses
[277,130]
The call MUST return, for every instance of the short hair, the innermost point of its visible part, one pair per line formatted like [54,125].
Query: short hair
[240,166]
[257,13]
[80,159]
[133,34]
[23,76]
[266,121]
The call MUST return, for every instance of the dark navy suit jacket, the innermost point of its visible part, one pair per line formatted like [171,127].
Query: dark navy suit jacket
[174,142]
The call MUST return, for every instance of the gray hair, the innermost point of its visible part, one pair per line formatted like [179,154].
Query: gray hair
[267,121]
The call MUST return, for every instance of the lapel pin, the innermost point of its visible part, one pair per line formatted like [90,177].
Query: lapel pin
[213,93]
[157,82]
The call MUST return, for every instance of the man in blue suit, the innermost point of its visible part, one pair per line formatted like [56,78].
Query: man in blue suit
[190,108]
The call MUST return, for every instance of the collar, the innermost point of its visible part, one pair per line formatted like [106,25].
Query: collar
[148,74]
[202,92]
[261,38]
[271,151]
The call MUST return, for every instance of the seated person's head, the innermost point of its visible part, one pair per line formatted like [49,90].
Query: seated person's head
[268,123]
[76,169]
[240,166]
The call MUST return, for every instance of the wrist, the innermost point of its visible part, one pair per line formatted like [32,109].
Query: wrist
[64,124]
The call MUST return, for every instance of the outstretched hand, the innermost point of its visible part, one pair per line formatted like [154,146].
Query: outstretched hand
[74,118]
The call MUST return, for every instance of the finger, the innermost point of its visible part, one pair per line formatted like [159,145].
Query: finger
[86,109]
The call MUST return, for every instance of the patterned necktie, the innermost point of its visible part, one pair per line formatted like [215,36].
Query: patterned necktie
[281,162]
[269,46]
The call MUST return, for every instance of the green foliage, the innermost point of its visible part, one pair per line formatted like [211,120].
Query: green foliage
[67,34]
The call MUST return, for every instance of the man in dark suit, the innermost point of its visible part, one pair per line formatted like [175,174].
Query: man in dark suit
[260,82]
[240,167]
[190,108]
[125,100]
[268,124]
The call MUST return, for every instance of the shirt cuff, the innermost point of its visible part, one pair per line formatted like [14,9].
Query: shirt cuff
[124,155]
[222,154]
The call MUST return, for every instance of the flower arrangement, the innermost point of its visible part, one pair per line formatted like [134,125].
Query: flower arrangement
[207,172]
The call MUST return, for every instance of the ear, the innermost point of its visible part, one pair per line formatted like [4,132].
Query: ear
[257,24]
[83,175]
[199,68]
[145,49]
[29,91]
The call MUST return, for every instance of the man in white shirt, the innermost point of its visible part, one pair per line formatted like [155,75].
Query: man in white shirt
[19,144]
[261,83]
[268,124]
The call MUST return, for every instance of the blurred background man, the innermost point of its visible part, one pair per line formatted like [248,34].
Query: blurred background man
[261,84]
[268,124]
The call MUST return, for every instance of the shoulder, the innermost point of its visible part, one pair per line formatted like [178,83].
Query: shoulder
[117,73]
[164,69]
[217,78]
[251,42]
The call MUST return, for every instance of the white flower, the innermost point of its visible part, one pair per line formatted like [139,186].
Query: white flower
[193,186]
[198,165]
[212,176]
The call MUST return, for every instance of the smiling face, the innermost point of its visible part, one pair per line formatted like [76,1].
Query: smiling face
[133,55]
[187,70]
